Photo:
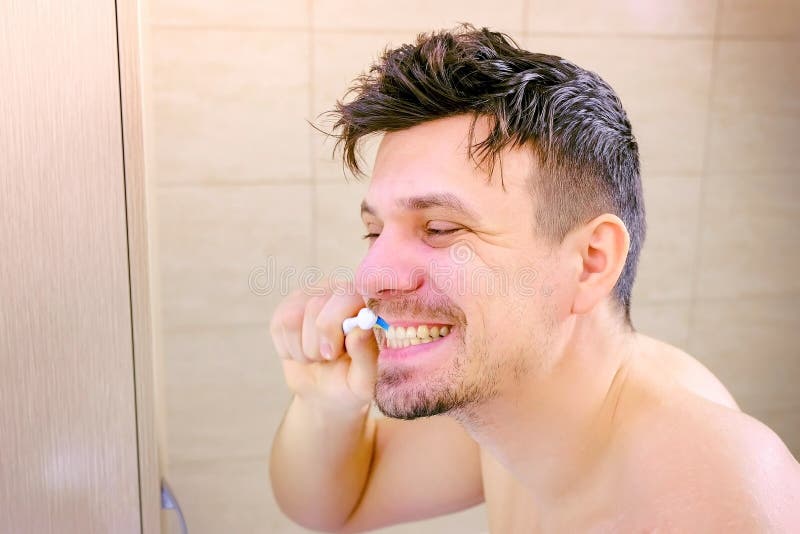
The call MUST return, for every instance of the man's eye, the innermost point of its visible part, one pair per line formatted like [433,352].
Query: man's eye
[370,236]
[441,230]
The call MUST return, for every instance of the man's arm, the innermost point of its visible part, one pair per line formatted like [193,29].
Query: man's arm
[353,473]
[420,469]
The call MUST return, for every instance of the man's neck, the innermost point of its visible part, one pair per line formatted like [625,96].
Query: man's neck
[552,431]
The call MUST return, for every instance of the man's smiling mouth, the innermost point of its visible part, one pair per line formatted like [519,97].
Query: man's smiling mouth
[398,337]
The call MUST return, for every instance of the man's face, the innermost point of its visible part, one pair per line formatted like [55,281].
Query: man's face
[456,253]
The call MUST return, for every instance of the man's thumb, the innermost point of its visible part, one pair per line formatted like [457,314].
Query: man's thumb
[362,348]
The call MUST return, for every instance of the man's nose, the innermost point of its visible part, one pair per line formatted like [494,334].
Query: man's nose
[392,266]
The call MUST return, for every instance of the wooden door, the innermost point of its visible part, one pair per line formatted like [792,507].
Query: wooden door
[69,439]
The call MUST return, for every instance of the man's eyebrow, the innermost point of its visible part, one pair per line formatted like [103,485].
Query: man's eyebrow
[434,200]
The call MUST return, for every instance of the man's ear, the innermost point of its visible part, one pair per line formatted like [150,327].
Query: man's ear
[600,248]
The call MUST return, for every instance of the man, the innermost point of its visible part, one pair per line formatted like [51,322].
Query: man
[527,388]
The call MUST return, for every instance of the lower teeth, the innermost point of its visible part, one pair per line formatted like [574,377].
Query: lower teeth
[406,342]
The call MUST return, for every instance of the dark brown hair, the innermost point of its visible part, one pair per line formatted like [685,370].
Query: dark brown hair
[572,120]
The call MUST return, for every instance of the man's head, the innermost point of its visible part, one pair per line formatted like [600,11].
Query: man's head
[505,199]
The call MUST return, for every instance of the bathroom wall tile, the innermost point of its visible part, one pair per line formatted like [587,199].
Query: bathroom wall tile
[225,391]
[759,18]
[229,495]
[230,107]
[225,251]
[653,17]
[246,13]
[750,244]
[667,261]
[338,59]
[666,321]
[755,107]
[339,229]
[751,344]
[664,85]
[416,15]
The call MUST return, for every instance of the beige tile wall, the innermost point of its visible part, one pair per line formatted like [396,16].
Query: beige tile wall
[244,187]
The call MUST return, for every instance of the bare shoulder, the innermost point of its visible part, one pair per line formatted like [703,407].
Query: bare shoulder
[665,363]
[694,464]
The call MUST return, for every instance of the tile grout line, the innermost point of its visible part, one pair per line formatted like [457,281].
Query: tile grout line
[732,298]
[210,327]
[701,201]
[198,460]
[524,32]
[526,9]
[212,184]
[212,27]
[663,36]
[311,149]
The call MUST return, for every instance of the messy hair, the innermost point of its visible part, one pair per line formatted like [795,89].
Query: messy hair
[570,117]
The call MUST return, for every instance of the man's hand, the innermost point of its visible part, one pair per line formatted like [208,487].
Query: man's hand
[320,364]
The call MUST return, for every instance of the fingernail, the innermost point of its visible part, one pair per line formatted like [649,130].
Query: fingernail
[326,350]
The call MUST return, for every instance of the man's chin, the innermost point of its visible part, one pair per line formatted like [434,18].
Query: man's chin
[410,401]
[403,409]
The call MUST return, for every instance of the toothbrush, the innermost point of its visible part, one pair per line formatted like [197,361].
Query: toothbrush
[365,320]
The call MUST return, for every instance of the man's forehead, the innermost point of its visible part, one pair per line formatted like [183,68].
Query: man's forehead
[442,150]
[441,144]
[428,166]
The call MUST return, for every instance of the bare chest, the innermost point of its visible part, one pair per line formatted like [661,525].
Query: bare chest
[509,506]
[512,509]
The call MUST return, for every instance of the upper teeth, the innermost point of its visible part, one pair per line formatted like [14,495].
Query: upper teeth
[399,336]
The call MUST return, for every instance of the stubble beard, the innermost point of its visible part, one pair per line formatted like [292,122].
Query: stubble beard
[469,380]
